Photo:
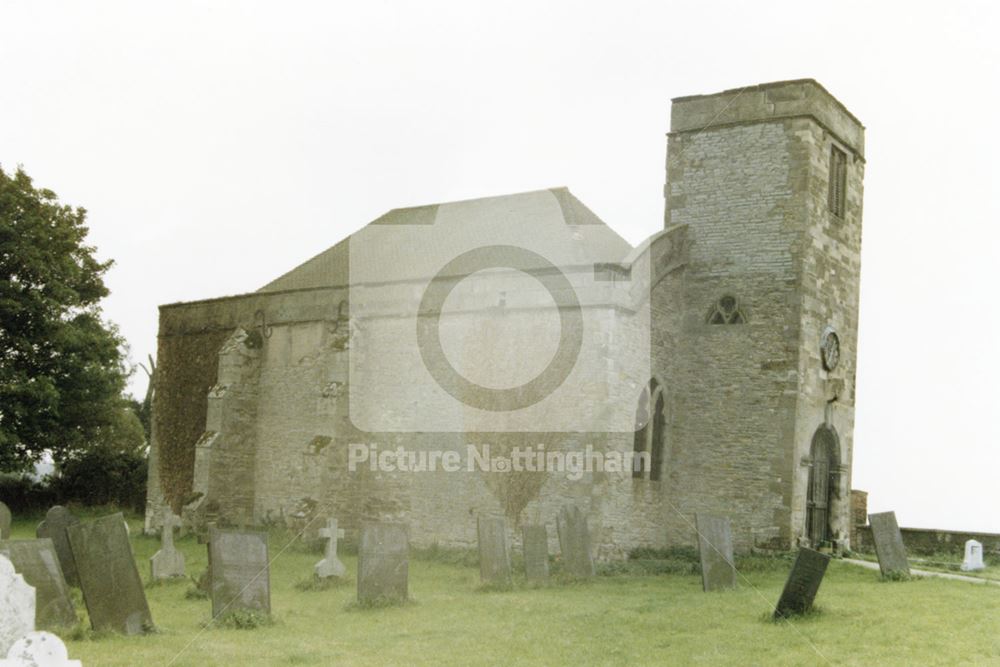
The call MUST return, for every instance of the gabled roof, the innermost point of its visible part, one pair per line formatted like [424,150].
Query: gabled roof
[541,220]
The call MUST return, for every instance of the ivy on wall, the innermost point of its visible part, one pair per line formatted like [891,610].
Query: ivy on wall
[188,366]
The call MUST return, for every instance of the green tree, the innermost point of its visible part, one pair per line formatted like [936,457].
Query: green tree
[62,369]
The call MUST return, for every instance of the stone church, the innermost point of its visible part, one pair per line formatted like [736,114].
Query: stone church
[717,357]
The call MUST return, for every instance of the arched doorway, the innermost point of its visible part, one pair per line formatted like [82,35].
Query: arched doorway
[823,477]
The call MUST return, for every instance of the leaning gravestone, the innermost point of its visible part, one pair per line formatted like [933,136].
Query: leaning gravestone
[5,520]
[574,542]
[715,545]
[112,589]
[889,544]
[331,565]
[802,583]
[37,562]
[383,563]
[494,557]
[168,562]
[973,561]
[38,649]
[240,572]
[17,606]
[57,520]
[536,553]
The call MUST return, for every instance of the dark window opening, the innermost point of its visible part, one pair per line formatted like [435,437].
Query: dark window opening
[727,311]
[838,181]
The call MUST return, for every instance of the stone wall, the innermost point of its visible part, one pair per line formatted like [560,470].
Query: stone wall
[931,541]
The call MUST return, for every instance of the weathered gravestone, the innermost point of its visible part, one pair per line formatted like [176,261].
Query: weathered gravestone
[240,572]
[574,542]
[38,649]
[715,546]
[973,561]
[802,583]
[6,518]
[331,565]
[37,562]
[536,553]
[494,557]
[889,544]
[383,563]
[112,589]
[17,606]
[168,562]
[54,527]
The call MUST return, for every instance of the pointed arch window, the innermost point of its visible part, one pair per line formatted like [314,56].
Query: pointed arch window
[727,310]
[650,433]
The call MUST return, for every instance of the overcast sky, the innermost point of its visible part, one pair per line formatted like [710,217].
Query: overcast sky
[217,145]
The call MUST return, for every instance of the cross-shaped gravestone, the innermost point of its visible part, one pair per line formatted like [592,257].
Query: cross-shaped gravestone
[330,566]
[168,562]
[17,606]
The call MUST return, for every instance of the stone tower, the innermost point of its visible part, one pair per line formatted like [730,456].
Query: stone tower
[768,180]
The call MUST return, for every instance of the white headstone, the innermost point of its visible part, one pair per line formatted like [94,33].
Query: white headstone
[330,566]
[39,649]
[973,556]
[168,562]
[17,606]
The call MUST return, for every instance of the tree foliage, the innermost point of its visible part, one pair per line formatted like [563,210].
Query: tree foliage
[62,368]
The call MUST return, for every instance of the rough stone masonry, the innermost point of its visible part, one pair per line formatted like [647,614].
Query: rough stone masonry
[746,408]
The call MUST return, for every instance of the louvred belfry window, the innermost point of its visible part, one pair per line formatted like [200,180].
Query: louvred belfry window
[838,181]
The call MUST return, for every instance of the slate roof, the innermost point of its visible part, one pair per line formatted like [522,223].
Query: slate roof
[414,243]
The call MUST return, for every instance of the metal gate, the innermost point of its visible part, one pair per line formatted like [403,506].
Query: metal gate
[822,478]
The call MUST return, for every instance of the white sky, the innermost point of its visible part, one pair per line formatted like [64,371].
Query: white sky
[217,145]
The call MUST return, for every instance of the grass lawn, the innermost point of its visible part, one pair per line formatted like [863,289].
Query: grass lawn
[614,620]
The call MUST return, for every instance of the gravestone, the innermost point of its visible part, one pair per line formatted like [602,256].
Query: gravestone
[38,649]
[494,557]
[168,562]
[112,589]
[715,546]
[37,562]
[54,527]
[536,553]
[330,566]
[6,518]
[574,542]
[802,583]
[17,606]
[383,563]
[240,572]
[973,561]
[888,544]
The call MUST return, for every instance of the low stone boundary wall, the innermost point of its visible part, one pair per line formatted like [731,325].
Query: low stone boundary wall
[926,541]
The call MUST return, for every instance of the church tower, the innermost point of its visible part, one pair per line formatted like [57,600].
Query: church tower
[768,182]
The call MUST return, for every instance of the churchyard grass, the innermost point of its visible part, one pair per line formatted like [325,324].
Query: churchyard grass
[627,618]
